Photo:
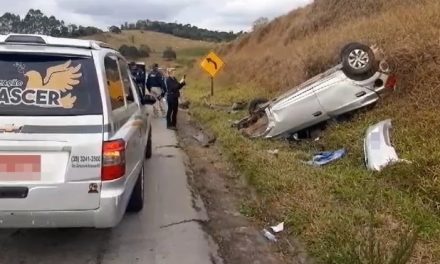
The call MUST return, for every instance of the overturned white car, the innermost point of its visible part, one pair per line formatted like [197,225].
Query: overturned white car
[355,83]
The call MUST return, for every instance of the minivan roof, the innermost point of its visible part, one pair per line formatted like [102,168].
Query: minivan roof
[43,40]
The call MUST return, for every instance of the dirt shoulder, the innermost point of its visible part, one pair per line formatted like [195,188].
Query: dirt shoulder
[223,191]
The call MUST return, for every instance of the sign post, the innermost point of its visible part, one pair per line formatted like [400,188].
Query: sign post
[212,86]
[212,64]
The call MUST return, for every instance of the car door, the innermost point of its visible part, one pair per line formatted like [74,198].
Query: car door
[339,94]
[294,111]
[136,122]
[124,107]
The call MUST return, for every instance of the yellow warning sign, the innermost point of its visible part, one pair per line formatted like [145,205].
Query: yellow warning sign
[212,64]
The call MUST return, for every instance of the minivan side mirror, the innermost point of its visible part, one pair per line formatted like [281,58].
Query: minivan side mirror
[148,100]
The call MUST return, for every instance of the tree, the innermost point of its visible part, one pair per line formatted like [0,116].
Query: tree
[35,22]
[9,23]
[144,51]
[169,54]
[141,24]
[182,30]
[115,29]
[133,52]
[260,22]
[129,51]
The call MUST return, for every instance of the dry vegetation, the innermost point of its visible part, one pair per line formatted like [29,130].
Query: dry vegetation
[328,208]
[186,48]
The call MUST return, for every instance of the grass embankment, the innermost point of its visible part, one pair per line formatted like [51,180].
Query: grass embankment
[329,208]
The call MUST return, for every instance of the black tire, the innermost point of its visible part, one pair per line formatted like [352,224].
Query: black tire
[347,47]
[358,61]
[136,202]
[149,148]
[254,104]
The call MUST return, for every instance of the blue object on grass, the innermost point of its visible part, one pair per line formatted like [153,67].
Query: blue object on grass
[326,157]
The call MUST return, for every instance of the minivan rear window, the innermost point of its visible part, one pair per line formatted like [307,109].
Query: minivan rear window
[48,85]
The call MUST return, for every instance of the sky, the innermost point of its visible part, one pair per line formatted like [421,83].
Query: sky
[226,15]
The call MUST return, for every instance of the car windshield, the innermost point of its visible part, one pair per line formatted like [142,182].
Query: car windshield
[48,85]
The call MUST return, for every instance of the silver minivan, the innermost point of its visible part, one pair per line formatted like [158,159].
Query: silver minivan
[74,133]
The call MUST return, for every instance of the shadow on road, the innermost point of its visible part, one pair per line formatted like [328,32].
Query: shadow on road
[35,246]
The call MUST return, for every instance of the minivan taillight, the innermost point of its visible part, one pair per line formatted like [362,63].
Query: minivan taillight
[113,160]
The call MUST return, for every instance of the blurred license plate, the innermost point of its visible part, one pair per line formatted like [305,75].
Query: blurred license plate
[20,167]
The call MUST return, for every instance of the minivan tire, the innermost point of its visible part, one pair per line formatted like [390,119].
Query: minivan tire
[358,61]
[255,103]
[136,202]
[149,148]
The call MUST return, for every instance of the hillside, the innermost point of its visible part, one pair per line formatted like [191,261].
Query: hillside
[186,49]
[155,40]
[329,208]
[180,30]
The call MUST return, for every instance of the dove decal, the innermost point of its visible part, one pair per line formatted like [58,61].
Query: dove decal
[50,91]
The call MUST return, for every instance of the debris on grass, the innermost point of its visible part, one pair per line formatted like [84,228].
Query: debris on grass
[239,106]
[271,237]
[184,104]
[274,152]
[326,157]
[205,139]
[278,228]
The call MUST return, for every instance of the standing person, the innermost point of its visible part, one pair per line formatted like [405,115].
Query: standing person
[141,79]
[156,86]
[173,93]
[135,72]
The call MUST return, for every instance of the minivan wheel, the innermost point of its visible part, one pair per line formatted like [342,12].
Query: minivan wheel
[149,149]
[358,61]
[254,104]
[136,202]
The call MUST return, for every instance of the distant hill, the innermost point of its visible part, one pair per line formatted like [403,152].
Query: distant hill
[36,22]
[156,41]
[187,50]
[180,30]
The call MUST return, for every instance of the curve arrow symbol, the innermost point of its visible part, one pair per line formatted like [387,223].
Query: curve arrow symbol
[209,60]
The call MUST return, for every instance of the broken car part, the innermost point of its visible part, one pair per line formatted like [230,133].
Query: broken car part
[271,237]
[377,146]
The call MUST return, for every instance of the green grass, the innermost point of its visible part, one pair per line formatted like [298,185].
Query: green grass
[329,208]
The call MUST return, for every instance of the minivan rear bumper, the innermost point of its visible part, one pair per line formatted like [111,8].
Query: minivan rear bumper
[109,214]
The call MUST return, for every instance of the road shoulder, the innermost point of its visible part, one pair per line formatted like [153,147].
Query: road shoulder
[223,192]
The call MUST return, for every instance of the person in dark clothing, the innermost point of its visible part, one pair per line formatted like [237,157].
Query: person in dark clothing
[156,86]
[173,93]
[139,76]
[140,80]
[155,78]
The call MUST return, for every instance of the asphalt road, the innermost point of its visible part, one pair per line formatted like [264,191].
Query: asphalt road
[167,231]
